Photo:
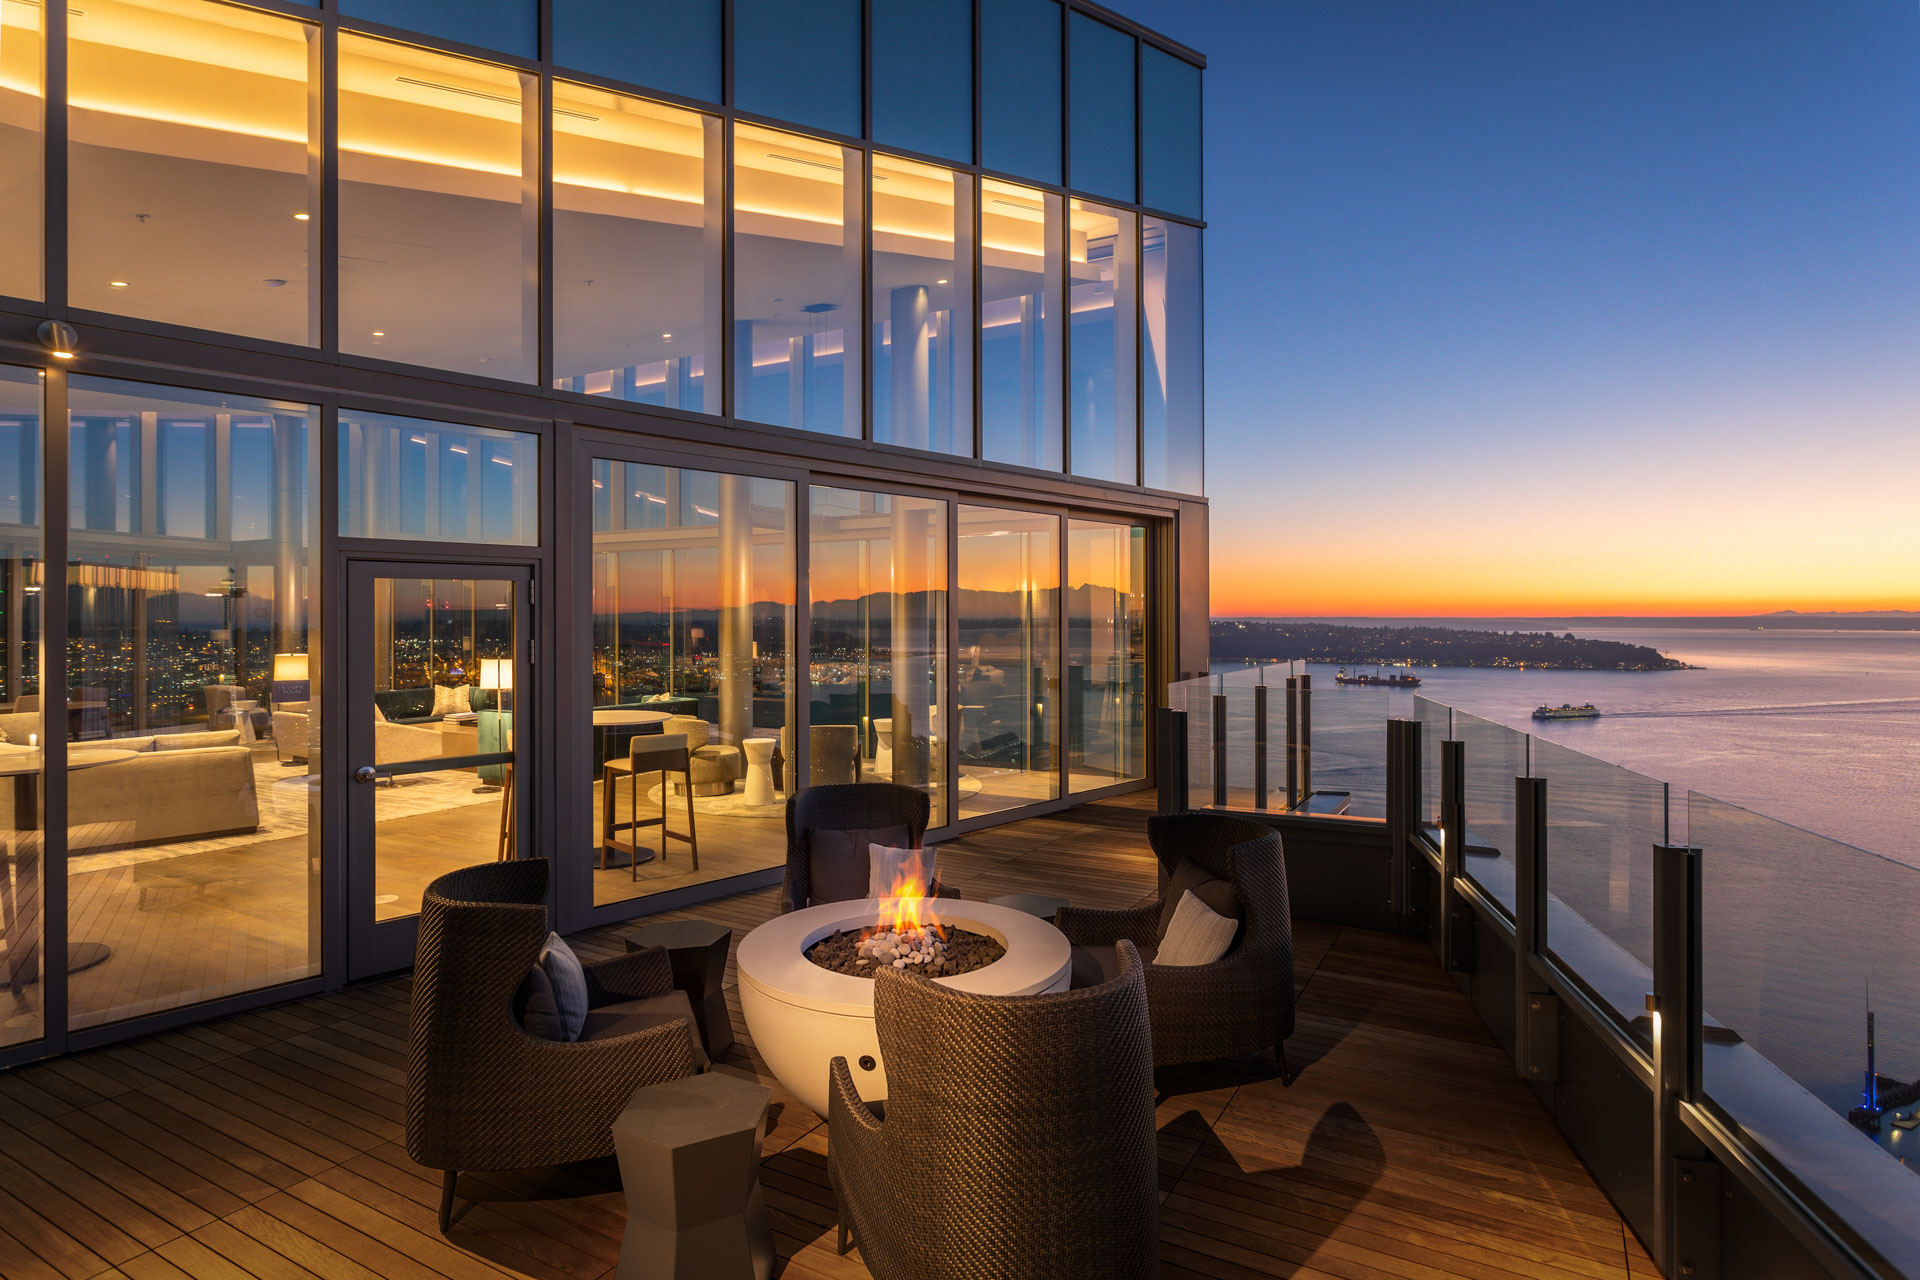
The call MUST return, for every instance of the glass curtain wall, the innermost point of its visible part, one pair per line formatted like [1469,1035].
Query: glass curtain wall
[192,167]
[192,783]
[798,268]
[416,478]
[1005,671]
[1106,654]
[439,210]
[922,306]
[693,616]
[1103,255]
[1170,324]
[1021,273]
[878,652]
[22,149]
[638,212]
[22,722]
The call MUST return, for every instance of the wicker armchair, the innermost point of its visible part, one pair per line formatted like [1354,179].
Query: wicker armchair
[481,1092]
[858,814]
[1017,1139]
[1243,1002]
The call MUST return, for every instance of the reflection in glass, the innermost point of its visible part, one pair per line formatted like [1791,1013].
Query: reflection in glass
[1170,324]
[22,150]
[1020,339]
[1103,257]
[693,610]
[637,255]
[437,481]
[799,62]
[923,76]
[669,45]
[878,653]
[1005,675]
[189,165]
[511,26]
[1170,132]
[439,221]
[922,306]
[192,793]
[1020,87]
[22,722]
[1106,654]
[445,652]
[1102,111]
[797,275]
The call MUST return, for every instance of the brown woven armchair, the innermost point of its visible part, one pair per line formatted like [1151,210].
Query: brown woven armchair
[829,829]
[1243,1002]
[481,1092]
[1017,1139]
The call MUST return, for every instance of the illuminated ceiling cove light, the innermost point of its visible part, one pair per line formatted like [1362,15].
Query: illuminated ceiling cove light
[302,217]
[116,284]
[457,448]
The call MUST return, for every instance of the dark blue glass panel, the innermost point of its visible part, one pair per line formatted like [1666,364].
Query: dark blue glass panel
[799,62]
[669,45]
[923,76]
[1102,110]
[511,26]
[1170,133]
[1020,87]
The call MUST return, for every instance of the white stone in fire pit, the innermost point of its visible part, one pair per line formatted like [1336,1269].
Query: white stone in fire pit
[802,1017]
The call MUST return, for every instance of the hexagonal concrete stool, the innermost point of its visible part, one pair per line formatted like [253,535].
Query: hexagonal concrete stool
[690,1164]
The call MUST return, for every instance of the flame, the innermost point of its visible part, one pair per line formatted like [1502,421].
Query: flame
[902,909]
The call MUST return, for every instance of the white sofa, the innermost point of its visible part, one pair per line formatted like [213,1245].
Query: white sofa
[178,786]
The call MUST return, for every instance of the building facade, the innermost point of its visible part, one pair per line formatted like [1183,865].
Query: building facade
[455,394]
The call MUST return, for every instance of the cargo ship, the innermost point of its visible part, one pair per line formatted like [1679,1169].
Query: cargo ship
[1566,711]
[1361,677]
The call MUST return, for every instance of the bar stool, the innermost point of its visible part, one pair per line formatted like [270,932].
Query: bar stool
[661,753]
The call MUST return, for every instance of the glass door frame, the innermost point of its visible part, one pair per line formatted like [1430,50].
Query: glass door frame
[376,946]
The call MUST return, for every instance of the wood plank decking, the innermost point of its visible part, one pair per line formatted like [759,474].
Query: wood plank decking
[271,1144]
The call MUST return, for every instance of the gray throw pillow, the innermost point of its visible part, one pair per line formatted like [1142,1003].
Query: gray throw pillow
[1189,877]
[569,982]
[838,864]
[540,1018]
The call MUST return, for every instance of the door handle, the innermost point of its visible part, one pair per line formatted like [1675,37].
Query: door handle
[366,773]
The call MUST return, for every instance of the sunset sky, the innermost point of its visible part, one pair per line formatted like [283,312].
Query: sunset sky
[1571,308]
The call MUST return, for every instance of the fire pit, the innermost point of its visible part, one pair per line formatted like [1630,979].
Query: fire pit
[802,1015]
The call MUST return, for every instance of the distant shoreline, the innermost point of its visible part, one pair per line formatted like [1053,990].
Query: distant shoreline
[1785,620]
[1276,640]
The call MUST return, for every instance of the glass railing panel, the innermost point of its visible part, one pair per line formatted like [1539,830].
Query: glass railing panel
[1200,743]
[1803,938]
[1494,756]
[1436,726]
[1602,824]
[1349,748]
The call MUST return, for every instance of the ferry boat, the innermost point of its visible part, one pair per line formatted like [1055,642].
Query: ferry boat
[1342,676]
[1566,711]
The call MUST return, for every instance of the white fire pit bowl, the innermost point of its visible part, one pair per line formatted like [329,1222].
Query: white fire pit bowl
[802,1017]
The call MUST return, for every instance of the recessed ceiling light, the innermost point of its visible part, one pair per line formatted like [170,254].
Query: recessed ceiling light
[939,281]
[379,333]
[116,284]
[302,217]
[666,337]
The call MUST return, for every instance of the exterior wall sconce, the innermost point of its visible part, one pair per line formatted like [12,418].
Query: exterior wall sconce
[60,339]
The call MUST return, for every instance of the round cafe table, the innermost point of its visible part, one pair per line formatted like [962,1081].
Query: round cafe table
[25,767]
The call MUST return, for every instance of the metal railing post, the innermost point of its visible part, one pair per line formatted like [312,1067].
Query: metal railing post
[1536,1011]
[1260,743]
[1220,750]
[1686,1197]
[1306,739]
[1455,924]
[1170,759]
[1402,807]
[1293,742]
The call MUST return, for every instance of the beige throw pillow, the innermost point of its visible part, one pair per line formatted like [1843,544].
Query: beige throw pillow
[1197,935]
[890,867]
[450,698]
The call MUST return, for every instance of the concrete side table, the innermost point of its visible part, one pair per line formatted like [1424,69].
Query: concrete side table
[697,951]
[759,753]
[690,1164]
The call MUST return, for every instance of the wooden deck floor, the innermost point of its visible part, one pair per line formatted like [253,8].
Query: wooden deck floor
[270,1144]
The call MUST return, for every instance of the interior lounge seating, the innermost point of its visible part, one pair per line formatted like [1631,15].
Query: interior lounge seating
[1242,1002]
[178,786]
[483,1093]
[829,829]
[1017,1138]
[712,767]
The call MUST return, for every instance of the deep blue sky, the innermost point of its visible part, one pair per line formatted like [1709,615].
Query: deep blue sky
[1623,294]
